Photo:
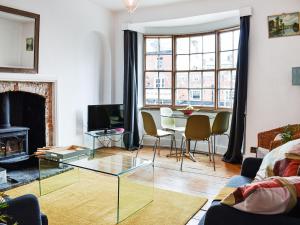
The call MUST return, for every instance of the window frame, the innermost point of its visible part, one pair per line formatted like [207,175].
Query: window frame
[219,69]
[191,71]
[157,71]
[216,70]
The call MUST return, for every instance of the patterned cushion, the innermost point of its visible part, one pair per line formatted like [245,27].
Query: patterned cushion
[278,195]
[287,168]
[294,152]
[290,150]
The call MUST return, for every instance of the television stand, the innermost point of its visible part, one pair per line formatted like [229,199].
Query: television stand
[106,131]
[107,137]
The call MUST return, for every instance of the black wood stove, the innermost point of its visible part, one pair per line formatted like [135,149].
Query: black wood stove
[13,140]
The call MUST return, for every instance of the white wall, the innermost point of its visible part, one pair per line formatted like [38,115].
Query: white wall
[272,100]
[75,50]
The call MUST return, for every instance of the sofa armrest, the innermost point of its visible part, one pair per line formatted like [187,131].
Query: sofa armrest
[250,167]
[265,138]
[219,214]
[275,144]
[24,210]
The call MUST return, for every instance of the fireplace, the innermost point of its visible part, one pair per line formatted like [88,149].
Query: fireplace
[26,118]
[13,139]
[13,143]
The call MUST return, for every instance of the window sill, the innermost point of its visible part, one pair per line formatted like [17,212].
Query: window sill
[209,110]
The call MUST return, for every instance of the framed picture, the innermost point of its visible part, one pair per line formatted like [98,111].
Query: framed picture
[284,25]
[296,76]
[29,44]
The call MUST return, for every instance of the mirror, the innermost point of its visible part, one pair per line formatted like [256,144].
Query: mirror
[19,41]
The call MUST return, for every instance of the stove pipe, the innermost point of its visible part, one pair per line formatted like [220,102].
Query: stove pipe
[4,111]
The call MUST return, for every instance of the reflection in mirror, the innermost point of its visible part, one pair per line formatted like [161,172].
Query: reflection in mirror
[16,41]
[18,44]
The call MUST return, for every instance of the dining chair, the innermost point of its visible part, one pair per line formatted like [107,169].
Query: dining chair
[197,129]
[169,124]
[220,127]
[151,130]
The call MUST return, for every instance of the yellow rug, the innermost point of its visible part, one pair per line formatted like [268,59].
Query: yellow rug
[92,200]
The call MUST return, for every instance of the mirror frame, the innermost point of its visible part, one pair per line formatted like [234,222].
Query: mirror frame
[36,18]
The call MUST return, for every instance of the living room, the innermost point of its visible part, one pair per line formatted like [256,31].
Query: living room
[140,112]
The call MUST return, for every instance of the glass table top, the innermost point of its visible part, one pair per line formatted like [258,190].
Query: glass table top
[115,165]
[183,116]
[108,133]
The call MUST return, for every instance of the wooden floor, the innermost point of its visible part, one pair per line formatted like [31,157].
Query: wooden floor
[197,178]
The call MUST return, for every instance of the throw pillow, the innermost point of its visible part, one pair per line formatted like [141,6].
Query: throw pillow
[287,168]
[278,195]
[294,152]
[279,153]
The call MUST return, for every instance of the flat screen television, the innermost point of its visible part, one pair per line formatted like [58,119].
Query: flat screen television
[105,117]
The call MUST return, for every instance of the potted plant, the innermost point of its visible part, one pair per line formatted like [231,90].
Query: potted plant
[3,218]
[288,133]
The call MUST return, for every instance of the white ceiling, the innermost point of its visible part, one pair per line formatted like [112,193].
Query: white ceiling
[200,23]
[117,5]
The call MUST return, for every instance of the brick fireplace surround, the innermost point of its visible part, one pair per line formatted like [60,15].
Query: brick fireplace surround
[44,89]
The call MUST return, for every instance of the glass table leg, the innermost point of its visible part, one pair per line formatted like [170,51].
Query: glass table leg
[54,175]
[135,191]
[94,147]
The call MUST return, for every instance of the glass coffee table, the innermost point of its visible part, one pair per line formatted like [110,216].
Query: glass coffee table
[134,177]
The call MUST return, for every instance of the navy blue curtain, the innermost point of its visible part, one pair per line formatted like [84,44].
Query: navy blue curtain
[234,151]
[131,89]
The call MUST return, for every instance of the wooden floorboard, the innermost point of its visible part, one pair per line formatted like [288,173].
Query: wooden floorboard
[197,178]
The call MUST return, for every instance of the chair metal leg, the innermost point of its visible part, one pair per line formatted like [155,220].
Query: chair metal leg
[175,148]
[181,146]
[213,151]
[158,146]
[172,140]
[212,144]
[195,148]
[137,152]
[142,140]
[209,151]
[182,155]
[154,149]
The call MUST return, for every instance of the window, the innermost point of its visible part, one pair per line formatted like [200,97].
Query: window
[197,70]
[158,71]
[229,44]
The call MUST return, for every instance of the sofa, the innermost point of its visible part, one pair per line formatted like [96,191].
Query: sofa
[219,214]
[25,210]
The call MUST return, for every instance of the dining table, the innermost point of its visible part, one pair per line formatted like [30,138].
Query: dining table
[180,115]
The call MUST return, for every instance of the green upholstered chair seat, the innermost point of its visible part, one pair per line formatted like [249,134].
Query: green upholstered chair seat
[167,122]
